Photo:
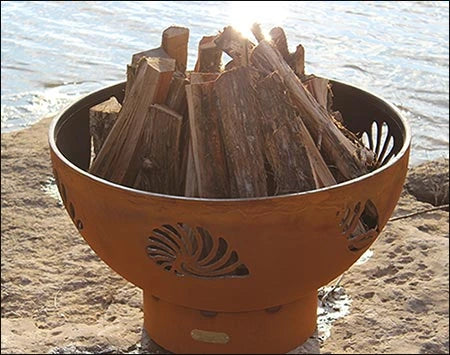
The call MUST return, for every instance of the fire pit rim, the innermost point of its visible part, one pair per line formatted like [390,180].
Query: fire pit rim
[56,122]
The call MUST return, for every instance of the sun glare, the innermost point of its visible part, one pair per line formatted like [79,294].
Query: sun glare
[243,14]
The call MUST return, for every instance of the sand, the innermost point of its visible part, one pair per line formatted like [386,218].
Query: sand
[59,297]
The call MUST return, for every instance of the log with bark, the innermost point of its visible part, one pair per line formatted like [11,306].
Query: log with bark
[101,120]
[207,146]
[257,127]
[117,160]
[159,156]
[209,56]
[351,158]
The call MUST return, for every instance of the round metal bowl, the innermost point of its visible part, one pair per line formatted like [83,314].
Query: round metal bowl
[232,275]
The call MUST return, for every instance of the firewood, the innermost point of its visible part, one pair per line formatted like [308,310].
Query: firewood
[284,145]
[207,147]
[159,155]
[176,96]
[117,159]
[297,61]
[318,87]
[191,184]
[197,78]
[131,68]
[175,43]
[351,158]
[237,105]
[176,100]
[280,42]
[257,32]
[154,52]
[209,58]
[101,119]
[235,45]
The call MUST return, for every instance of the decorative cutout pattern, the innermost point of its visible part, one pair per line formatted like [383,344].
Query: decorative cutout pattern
[194,252]
[353,219]
[379,140]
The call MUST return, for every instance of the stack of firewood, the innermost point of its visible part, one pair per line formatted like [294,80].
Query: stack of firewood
[257,126]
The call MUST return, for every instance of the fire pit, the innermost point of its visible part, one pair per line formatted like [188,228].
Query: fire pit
[232,275]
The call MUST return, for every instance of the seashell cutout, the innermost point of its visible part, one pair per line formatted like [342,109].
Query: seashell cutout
[380,140]
[187,251]
[349,223]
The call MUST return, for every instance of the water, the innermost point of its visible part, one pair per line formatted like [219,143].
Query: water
[54,52]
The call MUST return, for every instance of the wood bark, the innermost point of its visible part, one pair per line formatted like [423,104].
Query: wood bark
[207,147]
[350,158]
[117,160]
[235,45]
[159,155]
[175,42]
[209,58]
[237,105]
[283,144]
[101,120]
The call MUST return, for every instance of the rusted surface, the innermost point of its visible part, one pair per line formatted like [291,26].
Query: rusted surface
[278,249]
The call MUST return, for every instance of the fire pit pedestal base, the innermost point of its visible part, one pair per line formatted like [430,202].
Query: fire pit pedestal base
[186,330]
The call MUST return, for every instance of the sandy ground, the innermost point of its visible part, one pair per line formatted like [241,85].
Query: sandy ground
[58,297]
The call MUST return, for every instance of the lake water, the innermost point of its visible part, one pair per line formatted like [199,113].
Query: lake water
[54,52]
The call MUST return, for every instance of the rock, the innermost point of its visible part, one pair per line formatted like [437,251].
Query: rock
[428,182]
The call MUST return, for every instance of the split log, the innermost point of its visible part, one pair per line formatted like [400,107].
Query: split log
[350,158]
[117,160]
[176,100]
[198,78]
[175,42]
[235,45]
[291,167]
[257,32]
[131,68]
[155,52]
[191,184]
[176,96]
[318,87]
[209,58]
[237,105]
[101,119]
[284,145]
[280,42]
[159,155]
[208,151]
[297,61]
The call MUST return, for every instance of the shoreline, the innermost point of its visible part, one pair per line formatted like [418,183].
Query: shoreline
[59,297]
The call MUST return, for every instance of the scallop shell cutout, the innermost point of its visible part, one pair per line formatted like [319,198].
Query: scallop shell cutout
[380,140]
[187,251]
[367,218]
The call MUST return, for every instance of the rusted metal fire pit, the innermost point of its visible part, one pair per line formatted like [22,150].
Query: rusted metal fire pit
[234,275]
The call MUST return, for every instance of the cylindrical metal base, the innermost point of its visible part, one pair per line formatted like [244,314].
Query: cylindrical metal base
[273,330]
